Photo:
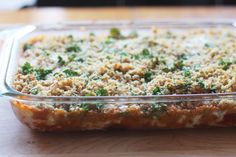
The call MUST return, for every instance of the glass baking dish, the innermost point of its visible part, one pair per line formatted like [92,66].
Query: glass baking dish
[153,112]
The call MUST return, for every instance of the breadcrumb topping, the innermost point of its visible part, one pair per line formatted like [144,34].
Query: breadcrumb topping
[160,62]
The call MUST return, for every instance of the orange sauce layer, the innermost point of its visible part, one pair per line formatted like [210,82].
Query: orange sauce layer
[61,120]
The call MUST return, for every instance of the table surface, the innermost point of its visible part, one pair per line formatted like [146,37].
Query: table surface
[52,15]
[16,139]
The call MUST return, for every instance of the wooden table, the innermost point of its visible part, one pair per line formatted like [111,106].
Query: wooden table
[49,15]
[16,139]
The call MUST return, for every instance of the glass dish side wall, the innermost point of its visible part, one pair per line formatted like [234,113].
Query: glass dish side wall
[103,116]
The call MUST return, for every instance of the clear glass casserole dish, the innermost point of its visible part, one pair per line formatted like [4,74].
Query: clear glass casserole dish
[106,112]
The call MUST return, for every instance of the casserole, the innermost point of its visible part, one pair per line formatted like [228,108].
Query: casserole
[181,76]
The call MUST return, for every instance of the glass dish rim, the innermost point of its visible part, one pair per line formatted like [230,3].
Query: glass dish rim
[13,94]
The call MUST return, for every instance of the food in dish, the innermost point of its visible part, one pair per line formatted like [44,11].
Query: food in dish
[160,62]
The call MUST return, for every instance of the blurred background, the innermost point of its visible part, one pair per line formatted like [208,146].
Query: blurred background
[19,4]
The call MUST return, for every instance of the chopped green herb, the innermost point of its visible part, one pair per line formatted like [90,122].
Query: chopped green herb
[34,91]
[136,56]
[179,64]
[70,73]
[27,68]
[183,87]
[55,74]
[115,33]
[73,48]
[91,107]
[157,91]
[27,47]
[108,57]
[186,72]
[71,57]
[99,106]
[42,73]
[225,64]
[201,83]
[167,69]
[156,61]
[148,76]
[80,60]
[60,61]
[84,107]
[89,94]
[182,56]
[186,86]
[101,92]
[213,89]
[145,52]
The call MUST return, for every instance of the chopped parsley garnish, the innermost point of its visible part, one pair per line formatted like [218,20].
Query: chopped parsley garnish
[148,76]
[108,57]
[73,48]
[84,107]
[71,57]
[27,46]
[34,91]
[186,72]
[201,83]
[99,107]
[182,56]
[60,61]
[225,64]
[213,89]
[70,73]
[146,53]
[178,65]
[42,73]
[156,61]
[115,33]
[136,56]
[80,60]
[89,94]
[27,68]
[91,107]
[101,92]
[156,91]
